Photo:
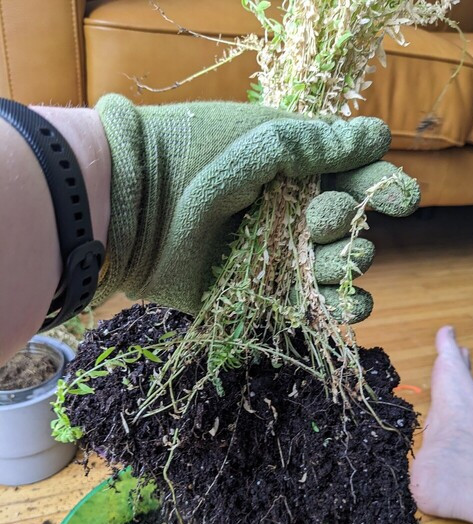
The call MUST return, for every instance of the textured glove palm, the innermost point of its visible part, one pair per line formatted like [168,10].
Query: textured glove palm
[183,172]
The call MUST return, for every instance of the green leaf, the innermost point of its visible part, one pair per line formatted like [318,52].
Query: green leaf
[349,81]
[60,391]
[117,363]
[262,6]
[97,373]
[63,432]
[151,356]
[245,4]
[76,391]
[131,360]
[342,39]
[76,433]
[86,389]
[82,389]
[301,86]
[257,87]
[226,301]
[238,331]
[253,96]
[288,100]
[104,355]
[315,428]
[277,29]
[327,66]
[167,335]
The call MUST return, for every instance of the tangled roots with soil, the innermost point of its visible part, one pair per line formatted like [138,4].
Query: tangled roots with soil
[275,448]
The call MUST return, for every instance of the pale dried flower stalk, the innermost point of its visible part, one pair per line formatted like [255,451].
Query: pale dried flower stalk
[316,60]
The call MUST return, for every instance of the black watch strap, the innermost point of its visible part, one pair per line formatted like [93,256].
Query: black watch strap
[82,256]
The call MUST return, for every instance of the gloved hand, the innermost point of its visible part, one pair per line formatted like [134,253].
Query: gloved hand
[181,173]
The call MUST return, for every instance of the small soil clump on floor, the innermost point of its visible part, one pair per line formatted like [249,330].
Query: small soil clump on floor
[274,449]
[25,370]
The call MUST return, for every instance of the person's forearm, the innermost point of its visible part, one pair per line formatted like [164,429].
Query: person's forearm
[30,262]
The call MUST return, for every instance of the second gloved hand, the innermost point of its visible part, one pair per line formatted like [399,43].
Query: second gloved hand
[183,172]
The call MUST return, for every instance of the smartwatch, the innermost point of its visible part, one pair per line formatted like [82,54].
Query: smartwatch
[82,256]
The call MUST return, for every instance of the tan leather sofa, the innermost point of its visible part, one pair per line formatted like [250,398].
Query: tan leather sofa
[73,51]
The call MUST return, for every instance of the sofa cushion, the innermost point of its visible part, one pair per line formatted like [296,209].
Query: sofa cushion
[455,39]
[445,176]
[209,17]
[127,38]
[42,52]
[404,93]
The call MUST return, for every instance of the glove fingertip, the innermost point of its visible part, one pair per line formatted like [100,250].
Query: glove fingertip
[377,136]
[399,198]
[361,304]
[330,265]
[329,216]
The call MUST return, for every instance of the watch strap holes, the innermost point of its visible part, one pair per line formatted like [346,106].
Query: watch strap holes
[46,131]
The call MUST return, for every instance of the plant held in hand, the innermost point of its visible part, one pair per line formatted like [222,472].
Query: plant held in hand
[273,317]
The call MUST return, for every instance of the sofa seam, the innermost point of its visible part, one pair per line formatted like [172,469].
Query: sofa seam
[434,59]
[100,25]
[77,51]
[5,48]
[443,138]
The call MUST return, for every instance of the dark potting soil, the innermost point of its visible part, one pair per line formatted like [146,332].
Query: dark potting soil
[26,370]
[273,449]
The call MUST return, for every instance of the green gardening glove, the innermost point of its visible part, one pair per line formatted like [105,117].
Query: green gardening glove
[182,173]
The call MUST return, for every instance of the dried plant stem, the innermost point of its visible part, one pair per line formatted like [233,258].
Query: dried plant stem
[359,223]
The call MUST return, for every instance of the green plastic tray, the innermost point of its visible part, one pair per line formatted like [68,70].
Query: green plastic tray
[112,505]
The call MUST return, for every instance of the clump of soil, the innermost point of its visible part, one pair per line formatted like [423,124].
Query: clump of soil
[274,449]
[25,370]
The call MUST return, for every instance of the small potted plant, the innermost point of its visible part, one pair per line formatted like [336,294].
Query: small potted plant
[28,452]
[117,500]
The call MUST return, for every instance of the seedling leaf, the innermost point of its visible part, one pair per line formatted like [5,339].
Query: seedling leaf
[167,335]
[97,373]
[104,355]
[151,356]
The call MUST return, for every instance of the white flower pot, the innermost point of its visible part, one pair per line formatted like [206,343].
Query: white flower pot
[28,452]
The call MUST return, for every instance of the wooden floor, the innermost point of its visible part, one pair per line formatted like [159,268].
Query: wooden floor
[422,278]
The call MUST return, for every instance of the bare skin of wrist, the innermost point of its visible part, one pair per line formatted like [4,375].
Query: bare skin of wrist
[30,261]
